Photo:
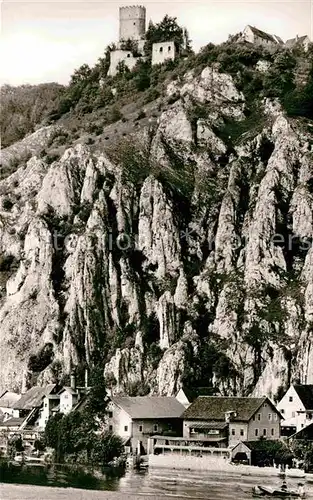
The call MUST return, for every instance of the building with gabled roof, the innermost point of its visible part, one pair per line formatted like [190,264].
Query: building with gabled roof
[7,400]
[254,35]
[134,419]
[299,41]
[296,406]
[242,419]
[33,398]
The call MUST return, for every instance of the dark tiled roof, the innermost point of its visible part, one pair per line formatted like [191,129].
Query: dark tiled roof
[213,408]
[262,34]
[305,433]
[33,397]
[13,422]
[305,393]
[210,425]
[294,41]
[150,406]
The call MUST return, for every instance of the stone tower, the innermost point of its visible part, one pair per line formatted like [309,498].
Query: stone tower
[132,22]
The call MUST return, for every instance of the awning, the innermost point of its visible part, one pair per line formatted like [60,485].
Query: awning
[126,441]
[209,425]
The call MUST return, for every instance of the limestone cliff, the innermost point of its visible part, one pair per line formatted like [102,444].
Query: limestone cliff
[184,257]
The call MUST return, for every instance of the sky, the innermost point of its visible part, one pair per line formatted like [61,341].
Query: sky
[45,40]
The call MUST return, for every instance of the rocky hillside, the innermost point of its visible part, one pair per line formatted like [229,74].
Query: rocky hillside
[175,251]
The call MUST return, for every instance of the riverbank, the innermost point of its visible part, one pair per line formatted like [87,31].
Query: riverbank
[30,492]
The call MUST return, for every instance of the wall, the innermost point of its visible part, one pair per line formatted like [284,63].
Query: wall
[289,410]
[182,398]
[261,421]
[45,411]
[132,22]
[119,420]
[117,56]
[162,52]
[238,431]
[67,401]
[249,36]
[188,424]
[142,429]
[206,462]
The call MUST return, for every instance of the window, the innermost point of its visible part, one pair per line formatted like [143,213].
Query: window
[264,432]
[253,418]
[65,396]
[161,49]
[233,432]
[169,49]
[110,414]
[140,428]
[282,411]
[241,432]
[256,432]
[128,55]
[290,399]
[270,416]
[155,427]
[125,428]
[275,417]
[293,414]
[272,432]
[259,416]
[110,428]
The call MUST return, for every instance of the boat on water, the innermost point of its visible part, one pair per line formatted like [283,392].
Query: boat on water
[265,491]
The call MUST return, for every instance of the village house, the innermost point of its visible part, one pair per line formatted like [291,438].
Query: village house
[33,406]
[72,395]
[251,34]
[296,406]
[7,400]
[228,420]
[134,419]
[299,42]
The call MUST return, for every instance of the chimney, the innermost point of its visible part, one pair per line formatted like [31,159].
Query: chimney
[86,378]
[297,37]
[229,414]
[73,381]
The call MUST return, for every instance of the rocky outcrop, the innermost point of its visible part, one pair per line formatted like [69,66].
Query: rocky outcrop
[200,271]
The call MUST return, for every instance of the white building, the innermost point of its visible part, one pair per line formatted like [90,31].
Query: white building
[297,407]
[299,41]
[251,34]
[162,52]
[134,419]
[7,400]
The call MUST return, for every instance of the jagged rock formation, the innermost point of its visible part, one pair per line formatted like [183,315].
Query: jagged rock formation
[197,268]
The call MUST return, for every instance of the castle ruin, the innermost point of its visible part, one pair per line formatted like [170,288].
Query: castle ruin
[132,27]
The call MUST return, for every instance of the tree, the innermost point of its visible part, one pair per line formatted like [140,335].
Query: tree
[97,397]
[167,30]
[81,74]
[106,447]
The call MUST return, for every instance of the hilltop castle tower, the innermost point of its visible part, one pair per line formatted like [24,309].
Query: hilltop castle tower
[132,22]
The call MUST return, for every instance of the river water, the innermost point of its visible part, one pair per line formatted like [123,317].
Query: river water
[56,483]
